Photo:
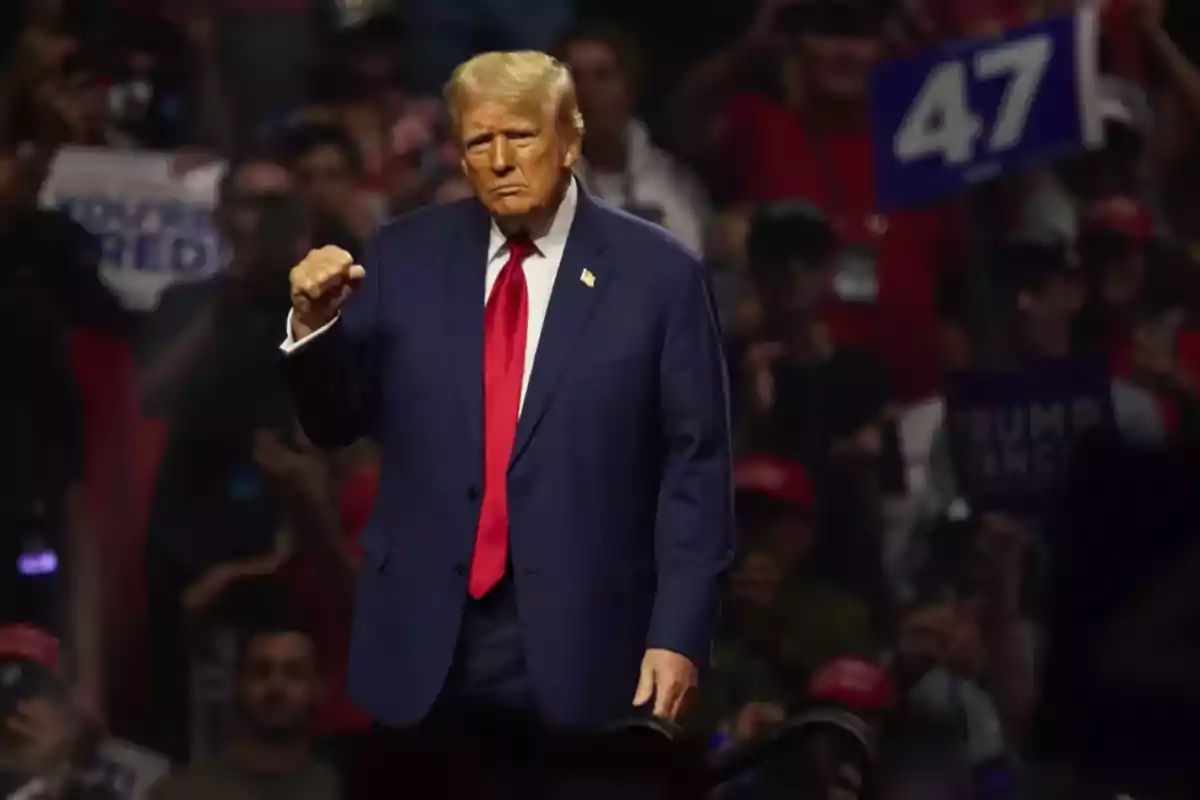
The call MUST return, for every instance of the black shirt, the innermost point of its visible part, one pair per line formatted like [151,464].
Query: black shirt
[210,503]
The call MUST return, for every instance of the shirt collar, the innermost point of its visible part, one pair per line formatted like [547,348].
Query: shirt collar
[554,241]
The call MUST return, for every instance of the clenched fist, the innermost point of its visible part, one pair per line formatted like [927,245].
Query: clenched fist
[321,284]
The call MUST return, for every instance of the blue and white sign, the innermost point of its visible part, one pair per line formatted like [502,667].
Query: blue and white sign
[975,110]
[154,227]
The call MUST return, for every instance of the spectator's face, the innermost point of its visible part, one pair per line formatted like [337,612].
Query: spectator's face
[839,66]
[253,180]
[799,289]
[515,156]
[277,684]
[325,180]
[604,94]
[1051,306]
[755,582]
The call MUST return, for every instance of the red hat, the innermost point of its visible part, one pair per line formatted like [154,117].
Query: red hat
[28,643]
[854,683]
[1121,215]
[778,478]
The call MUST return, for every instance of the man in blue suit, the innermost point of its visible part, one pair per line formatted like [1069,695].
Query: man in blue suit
[544,377]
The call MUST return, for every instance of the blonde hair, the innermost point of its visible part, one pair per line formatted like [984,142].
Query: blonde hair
[520,78]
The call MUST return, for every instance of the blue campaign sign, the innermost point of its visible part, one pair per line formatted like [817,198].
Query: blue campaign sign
[972,111]
[1012,432]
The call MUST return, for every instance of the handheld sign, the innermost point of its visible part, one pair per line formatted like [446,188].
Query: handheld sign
[1012,433]
[969,112]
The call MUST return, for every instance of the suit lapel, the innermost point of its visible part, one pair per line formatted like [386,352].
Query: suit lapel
[572,301]
[464,269]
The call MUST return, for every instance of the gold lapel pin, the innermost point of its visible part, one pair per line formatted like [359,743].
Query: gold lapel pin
[587,278]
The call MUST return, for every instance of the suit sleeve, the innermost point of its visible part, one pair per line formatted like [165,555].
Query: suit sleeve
[334,377]
[694,535]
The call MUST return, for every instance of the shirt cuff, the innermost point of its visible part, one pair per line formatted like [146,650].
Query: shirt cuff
[291,345]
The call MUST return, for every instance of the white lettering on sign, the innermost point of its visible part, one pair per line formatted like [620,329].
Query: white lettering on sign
[1026,445]
[940,121]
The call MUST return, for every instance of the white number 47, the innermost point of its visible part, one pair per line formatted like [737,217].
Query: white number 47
[940,122]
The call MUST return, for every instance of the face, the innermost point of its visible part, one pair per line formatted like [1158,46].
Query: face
[839,66]
[515,158]
[325,181]
[253,180]
[277,685]
[604,94]
[756,581]
[1052,306]
[801,288]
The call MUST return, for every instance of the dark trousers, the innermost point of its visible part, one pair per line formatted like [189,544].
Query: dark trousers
[482,734]
[484,737]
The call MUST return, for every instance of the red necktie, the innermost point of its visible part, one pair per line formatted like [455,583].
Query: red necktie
[505,320]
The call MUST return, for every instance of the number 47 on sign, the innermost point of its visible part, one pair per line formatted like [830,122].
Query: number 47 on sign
[957,115]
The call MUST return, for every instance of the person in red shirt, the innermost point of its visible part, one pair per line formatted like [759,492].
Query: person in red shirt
[812,141]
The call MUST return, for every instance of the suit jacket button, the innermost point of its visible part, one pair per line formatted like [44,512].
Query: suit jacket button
[473,493]
[460,569]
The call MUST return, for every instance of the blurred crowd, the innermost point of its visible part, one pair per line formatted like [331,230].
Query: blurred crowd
[179,562]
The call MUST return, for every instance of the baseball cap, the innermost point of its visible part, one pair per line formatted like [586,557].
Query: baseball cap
[23,642]
[780,479]
[854,683]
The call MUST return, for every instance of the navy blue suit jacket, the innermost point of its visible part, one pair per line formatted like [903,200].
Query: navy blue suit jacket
[620,508]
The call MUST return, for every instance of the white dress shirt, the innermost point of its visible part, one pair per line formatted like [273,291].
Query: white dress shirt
[540,270]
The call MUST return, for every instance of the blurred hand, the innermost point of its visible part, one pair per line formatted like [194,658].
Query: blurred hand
[1003,544]
[670,679]
[865,444]
[294,468]
[45,733]
[760,369]
[754,718]
[1155,365]
[320,285]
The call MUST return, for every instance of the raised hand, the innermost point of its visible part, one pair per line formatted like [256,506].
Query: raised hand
[321,284]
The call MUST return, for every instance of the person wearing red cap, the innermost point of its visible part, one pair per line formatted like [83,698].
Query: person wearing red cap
[784,621]
[1134,309]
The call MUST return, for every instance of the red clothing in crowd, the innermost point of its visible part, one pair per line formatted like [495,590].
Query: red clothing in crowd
[331,619]
[954,18]
[777,158]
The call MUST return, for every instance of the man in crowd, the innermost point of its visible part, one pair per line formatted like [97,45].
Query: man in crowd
[212,502]
[272,756]
[607,464]
[806,397]
[811,139]
[1043,291]
[328,170]
[620,163]
[784,619]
